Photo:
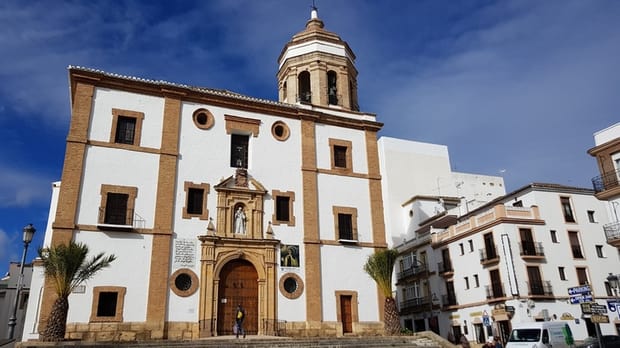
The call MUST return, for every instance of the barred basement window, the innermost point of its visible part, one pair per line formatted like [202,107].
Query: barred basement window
[108,302]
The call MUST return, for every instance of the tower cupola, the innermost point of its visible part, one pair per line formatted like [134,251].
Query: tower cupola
[317,67]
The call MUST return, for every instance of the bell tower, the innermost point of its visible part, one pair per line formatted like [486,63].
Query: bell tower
[317,67]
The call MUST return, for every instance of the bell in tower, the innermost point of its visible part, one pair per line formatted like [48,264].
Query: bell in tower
[317,67]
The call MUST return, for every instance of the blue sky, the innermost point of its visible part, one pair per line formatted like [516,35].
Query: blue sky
[516,86]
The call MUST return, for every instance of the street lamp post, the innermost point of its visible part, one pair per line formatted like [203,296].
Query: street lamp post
[28,234]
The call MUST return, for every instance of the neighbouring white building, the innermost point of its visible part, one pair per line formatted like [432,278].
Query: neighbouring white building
[511,260]
[210,199]
[607,184]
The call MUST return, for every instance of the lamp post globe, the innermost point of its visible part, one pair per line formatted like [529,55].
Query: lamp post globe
[29,231]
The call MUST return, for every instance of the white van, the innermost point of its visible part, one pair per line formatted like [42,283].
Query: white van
[541,334]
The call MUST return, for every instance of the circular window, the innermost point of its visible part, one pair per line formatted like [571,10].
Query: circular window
[291,285]
[280,131]
[184,282]
[203,119]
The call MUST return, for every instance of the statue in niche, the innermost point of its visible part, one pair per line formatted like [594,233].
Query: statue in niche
[240,220]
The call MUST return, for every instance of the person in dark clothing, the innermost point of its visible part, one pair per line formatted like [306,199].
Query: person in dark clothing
[239,317]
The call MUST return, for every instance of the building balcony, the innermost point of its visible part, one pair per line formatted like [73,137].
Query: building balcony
[121,220]
[416,305]
[489,256]
[414,272]
[495,291]
[532,250]
[445,268]
[540,289]
[448,300]
[612,233]
[498,213]
[607,185]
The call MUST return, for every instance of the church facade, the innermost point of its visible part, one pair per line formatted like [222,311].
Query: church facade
[211,199]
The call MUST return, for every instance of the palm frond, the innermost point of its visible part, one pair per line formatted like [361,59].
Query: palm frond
[380,267]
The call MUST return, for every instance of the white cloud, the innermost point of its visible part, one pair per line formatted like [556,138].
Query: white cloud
[21,188]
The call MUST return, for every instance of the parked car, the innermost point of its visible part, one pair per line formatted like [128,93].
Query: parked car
[609,341]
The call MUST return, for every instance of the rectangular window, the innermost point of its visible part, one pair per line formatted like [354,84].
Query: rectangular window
[282,208]
[608,289]
[108,302]
[476,281]
[599,251]
[239,150]
[345,227]
[341,155]
[582,276]
[535,279]
[471,245]
[466,282]
[116,209]
[562,273]
[554,236]
[345,220]
[126,127]
[591,216]
[567,210]
[125,130]
[194,201]
[575,245]
[462,249]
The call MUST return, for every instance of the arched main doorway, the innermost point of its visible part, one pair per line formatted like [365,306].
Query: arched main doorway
[238,285]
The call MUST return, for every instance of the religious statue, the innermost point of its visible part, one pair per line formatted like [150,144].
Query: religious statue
[240,220]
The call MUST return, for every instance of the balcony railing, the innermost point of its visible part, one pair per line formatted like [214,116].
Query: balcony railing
[412,271]
[416,304]
[532,249]
[488,254]
[606,181]
[612,231]
[495,290]
[448,299]
[445,267]
[541,288]
[120,219]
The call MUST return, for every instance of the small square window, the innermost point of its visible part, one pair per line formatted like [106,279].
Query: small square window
[108,302]
[346,223]
[562,273]
[283,208]
[106,307]
[554,236]
[591,216]
[125,130]
[341,152]
[117,206]
[126,127]
[194,201]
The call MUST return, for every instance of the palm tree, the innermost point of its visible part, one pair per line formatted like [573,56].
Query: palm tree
[379,267]
[66,267]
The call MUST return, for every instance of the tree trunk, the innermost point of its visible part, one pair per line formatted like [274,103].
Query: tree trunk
[57,321]
[392,319]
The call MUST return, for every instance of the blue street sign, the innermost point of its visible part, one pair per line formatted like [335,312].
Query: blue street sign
[613,305]
[579,290]
[486,321]
[580,298]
